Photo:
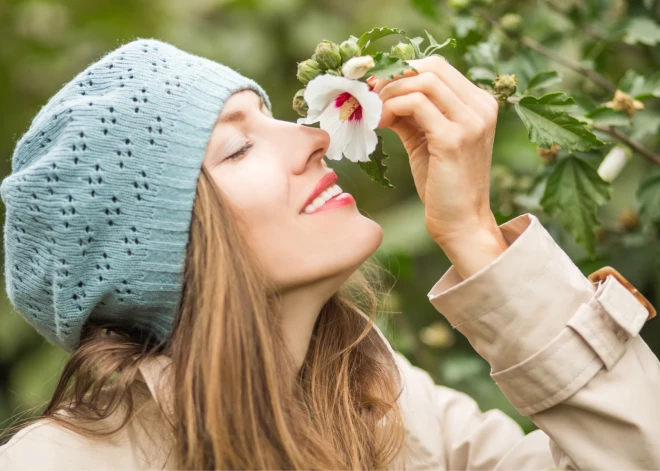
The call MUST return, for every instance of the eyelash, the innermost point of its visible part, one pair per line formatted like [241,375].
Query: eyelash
[240,151]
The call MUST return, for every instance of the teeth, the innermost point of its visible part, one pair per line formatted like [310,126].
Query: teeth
[322,198]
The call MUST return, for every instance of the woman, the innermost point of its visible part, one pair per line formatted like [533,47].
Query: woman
[156,229]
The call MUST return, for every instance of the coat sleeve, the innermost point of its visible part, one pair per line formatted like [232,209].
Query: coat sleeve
[564,352]
[458,435]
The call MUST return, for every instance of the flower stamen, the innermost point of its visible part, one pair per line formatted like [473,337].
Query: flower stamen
[349,107]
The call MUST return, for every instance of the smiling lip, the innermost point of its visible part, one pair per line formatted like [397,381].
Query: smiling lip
[324,183]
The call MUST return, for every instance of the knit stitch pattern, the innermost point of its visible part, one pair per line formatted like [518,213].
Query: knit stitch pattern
[99,201]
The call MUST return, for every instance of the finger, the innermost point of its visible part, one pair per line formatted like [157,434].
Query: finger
[467,91]
[426,115]
[377,84]
[437,92]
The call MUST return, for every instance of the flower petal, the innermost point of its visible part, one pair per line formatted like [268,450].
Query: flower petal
[330,122]
[362,144]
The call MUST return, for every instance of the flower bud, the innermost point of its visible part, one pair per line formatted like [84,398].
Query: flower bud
[505,85]
[460,5]
[403,51]
[624,102]
[512,24]
[299,103]
[307,70]
[549,155]
[328,55]
[336,72]
[613,163]
[628,220]
[356,67]
[348,49]
[437,335]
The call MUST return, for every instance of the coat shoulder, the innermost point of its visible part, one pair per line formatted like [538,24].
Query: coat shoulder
[45,444]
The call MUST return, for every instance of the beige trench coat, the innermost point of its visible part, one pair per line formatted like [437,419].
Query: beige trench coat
[565,352]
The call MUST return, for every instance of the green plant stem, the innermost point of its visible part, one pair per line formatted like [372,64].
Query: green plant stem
[614,132]
[549,53]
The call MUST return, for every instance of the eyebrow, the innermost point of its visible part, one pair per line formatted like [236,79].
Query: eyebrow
[239,115]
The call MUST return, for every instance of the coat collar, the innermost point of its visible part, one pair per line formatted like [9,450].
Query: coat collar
[421,442]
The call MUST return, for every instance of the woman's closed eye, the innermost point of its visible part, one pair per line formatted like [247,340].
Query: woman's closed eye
[240,151]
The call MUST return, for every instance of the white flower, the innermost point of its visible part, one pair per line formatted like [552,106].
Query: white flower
[613,163]
[356,67]
[349,111]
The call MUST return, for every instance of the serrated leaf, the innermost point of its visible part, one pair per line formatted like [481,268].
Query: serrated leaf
[608,116]
[543,80]
[484,54]
[376,168]
[376,33]
[386,66]
[573,193]
[642,30]
[648,196]
[428,8]
[547,121]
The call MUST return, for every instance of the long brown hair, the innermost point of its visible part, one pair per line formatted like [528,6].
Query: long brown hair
[238,401]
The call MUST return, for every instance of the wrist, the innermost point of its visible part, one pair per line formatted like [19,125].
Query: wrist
[471,251]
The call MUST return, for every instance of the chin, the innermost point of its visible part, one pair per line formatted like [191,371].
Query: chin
[369,236]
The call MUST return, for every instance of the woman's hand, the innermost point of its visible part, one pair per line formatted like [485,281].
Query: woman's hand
[447,125]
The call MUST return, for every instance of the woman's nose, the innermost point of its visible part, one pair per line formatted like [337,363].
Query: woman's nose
[314,148]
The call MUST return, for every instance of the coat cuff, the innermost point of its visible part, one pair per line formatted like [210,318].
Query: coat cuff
[544,328]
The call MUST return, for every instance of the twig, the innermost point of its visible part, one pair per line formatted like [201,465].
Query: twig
[614,132]
[595,76]
[532,44]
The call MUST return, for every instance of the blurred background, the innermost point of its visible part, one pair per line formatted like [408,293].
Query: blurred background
[44,44]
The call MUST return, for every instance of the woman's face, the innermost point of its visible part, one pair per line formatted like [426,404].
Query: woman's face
[269,186]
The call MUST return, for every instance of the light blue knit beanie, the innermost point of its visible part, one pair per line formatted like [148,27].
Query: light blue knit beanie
[99,201]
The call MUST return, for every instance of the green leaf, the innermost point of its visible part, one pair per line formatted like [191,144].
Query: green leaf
[609,117]
[642,30]
[376,168]
[481,75]
[464,23]
[386,66]
[543,80]
[415,42]
[376,33]
[484,54]
[432,40]
[648,195]
[428,8]
[547,121]
[640,87]
[645,126]
[435,46]
[573,193]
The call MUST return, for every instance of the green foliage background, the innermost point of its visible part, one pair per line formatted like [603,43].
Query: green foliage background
[43,44]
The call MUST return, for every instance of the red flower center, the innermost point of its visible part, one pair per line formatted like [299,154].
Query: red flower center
[349,107]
